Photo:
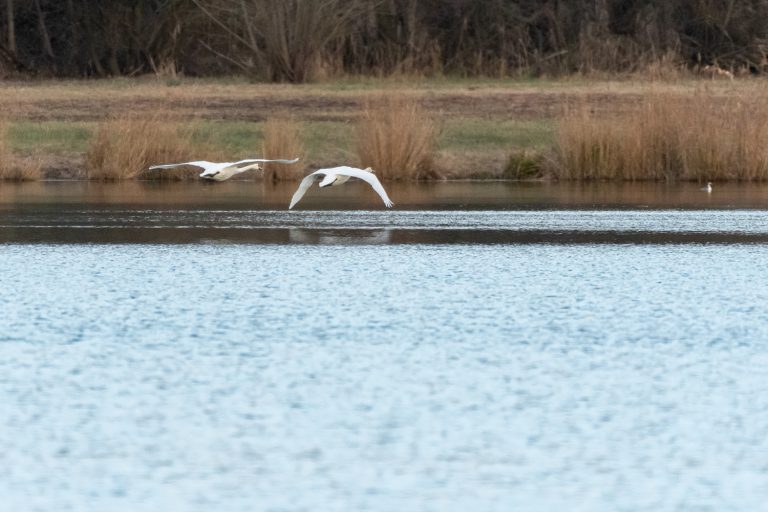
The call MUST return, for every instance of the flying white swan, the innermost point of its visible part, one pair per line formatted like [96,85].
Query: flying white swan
[337,176]
[221,171]
[708,188]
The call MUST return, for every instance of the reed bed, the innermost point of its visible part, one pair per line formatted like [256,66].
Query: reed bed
[702,137]
[282,140]
[396,137]
[12,167]
[123,148]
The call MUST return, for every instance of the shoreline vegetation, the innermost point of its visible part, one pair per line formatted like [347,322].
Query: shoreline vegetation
[687,129]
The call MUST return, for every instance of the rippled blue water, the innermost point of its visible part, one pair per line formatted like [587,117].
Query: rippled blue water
[384,378]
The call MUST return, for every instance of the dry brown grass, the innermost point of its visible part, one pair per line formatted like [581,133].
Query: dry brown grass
[396,137]
[12,167]
[21,170]
[124,147]
[282,140]
[669,137]
[5,154]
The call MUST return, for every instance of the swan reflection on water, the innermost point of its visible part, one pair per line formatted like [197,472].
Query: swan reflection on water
[339,237]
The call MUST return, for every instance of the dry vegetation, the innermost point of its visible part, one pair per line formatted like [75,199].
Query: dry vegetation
[396,137]
[678,130]
[123,148]
[282,140]
[22,169]
[669,137]
[5,153]
[13,168]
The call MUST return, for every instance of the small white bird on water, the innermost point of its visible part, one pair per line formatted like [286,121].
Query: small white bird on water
[336,176]
[221,171]
[708,188]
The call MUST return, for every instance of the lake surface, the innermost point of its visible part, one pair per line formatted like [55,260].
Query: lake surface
[196,348]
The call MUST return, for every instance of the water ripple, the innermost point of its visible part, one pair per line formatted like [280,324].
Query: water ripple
[423,377]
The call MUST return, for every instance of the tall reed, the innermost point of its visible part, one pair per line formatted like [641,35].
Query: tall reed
[396,137]
[13,168]
[124,147]
[282,140]
[5,154]
[668,137]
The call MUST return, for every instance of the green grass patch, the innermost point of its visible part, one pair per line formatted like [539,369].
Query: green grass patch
[242,139]
[325,142]
[481,134]
[56,138]
[329,141]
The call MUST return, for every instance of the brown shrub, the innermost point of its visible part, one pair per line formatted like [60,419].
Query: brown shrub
[21,170]
[668,137]
[282,140]
[396,137]
[124,147]
[524,164]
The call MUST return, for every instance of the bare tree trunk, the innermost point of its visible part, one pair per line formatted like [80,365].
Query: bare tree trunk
[11,28]
[114,66]
[74,40]
[95,61]
[411,28]
[248,26]
[46,39]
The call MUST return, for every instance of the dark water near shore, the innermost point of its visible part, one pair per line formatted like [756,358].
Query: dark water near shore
[453,195]
[488,347]
[444,213]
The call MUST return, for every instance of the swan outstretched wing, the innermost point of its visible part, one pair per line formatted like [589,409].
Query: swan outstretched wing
[264,160]
[303,187]
[199,163]
[212,165]
[370,178]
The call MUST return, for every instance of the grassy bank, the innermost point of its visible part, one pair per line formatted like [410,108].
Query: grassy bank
[569,129]
[465,147]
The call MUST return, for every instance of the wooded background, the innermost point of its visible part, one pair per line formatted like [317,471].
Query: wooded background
[302,40]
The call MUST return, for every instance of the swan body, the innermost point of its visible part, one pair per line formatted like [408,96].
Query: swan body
[220,171]
[335,176]
[708,188]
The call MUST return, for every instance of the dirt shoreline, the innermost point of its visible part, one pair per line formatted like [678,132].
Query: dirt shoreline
[307,106]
